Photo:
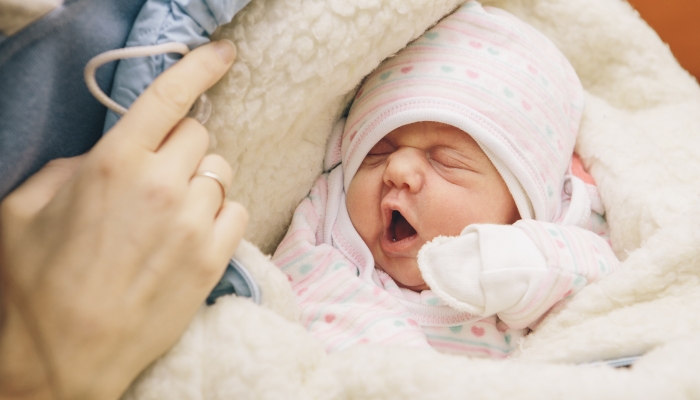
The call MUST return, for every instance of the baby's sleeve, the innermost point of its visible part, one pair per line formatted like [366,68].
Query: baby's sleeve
[517,272]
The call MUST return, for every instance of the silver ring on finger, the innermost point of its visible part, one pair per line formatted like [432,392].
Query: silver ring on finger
[217,178]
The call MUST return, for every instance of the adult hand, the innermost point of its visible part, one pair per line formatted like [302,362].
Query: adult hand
[105,258]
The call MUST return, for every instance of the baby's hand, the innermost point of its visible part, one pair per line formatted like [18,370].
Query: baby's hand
[484,271]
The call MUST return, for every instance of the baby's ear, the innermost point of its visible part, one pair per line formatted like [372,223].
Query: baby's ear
[333,146]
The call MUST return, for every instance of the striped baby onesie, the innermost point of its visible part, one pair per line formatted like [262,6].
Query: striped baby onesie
[343,307]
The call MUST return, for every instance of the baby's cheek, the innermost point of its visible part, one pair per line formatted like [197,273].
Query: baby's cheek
[353,198]
[449,218]
[362,201]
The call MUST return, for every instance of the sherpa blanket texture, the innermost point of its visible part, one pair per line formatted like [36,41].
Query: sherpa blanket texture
[299,62]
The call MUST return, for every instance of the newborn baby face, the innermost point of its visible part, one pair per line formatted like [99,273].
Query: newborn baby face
[421,181]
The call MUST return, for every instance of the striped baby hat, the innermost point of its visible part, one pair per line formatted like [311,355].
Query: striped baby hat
[493,76]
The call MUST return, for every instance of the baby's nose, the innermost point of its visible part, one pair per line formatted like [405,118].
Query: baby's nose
[406,169]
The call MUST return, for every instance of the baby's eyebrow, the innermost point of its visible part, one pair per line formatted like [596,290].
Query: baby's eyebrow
[456,148]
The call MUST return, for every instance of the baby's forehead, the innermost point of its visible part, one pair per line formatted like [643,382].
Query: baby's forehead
[432,132]
[434,137]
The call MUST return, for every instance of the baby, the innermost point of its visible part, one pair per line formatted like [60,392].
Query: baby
[454,214]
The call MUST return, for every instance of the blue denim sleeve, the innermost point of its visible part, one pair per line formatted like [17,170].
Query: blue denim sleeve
[162,21]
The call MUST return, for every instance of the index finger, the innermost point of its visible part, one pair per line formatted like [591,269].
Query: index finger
[168,99]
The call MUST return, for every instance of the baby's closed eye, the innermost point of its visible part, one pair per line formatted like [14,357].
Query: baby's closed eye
[378,154]
[446,157]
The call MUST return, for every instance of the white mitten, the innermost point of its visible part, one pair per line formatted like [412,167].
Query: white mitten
[486,270]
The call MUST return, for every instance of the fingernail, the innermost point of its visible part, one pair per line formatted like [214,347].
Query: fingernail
[226,50]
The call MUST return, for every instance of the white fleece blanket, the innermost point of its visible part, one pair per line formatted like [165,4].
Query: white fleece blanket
[299,62]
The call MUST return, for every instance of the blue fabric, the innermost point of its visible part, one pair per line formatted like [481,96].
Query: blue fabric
[236,280]
[162,21]
[46,111]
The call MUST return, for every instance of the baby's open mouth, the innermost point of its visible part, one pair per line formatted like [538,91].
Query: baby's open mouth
[399,228]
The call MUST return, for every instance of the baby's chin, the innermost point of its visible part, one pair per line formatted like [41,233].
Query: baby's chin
[416,288]
[406,274]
